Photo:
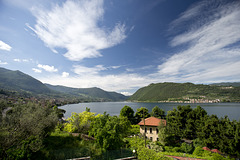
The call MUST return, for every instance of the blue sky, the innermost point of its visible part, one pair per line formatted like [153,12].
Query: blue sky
[121,45]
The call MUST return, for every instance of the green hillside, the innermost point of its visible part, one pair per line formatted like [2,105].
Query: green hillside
[18,81]
[227,84]
[89,92]
[187,92]
[17,84]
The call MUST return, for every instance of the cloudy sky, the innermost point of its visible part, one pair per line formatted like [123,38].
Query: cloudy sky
[121,45]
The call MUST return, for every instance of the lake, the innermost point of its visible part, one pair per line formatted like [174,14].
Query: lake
[232,110]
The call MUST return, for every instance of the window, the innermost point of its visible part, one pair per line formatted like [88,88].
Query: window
[157,139]
[151,138]
[151,130]
[145,129]
[157,130]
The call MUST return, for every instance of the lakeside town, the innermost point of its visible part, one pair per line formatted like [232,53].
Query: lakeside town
[188,100]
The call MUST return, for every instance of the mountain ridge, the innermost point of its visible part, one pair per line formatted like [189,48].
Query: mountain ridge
[27,85]
[186,92]
[92,92]
[19,81]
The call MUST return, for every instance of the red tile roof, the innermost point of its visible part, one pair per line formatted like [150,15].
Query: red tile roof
[206,149]
[216,151]
[152,121]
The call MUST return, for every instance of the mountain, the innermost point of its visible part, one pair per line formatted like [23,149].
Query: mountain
[25,84]
[94,92]
[187,92]
[18,81]
[227,84]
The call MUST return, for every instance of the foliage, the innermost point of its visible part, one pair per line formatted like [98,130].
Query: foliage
[158,112]
[156,146]
[128,112]
[162,134]
[79,122]
[141,113]
[137,144]
[149,154]
[198,151]
[62,145]
[195,124]
[186,148]
[23,129]
[109,131]
[134,130]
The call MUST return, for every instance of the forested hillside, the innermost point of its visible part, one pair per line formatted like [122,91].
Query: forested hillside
[16,84]
[18,81]
[187,92]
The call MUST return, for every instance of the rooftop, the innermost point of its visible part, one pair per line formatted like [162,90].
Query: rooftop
[152,121]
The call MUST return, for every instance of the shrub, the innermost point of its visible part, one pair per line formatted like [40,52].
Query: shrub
[198,151]
[148,154]
[186,148]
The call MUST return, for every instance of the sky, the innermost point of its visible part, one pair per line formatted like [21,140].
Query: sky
[121,45]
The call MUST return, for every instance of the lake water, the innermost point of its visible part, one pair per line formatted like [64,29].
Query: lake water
[232,110]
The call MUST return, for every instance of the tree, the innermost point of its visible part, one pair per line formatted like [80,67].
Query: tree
[141,113]
[158,112]
[128,112]
[162,134]
[194,122]
[23,129]
[80,122]
[177,124]
[109,131]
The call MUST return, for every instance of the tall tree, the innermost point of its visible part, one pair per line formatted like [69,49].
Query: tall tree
[128,112]
[158,112]
[109,131]
[194,122]
[141,113]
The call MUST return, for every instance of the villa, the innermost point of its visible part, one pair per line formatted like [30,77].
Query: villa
[151,127]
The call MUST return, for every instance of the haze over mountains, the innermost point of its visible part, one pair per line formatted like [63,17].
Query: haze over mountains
[166,92]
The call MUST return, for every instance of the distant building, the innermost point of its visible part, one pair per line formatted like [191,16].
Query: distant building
[151,127]
[213,150]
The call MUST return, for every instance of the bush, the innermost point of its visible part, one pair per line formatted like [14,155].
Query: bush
[186,148]
[198,151]
[148,154]
[134,130]
[168,148]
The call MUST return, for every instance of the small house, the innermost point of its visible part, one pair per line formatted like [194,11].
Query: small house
[151,127]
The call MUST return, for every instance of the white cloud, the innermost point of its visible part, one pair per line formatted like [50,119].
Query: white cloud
[20,60]
[37,70]
[3,63]
[65,74]
[16,60]
[107,82]
[74,25]
[126,93]
[25,60]
[92,77]
[47,68]
[5,46]
[211,53]
[82,70]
